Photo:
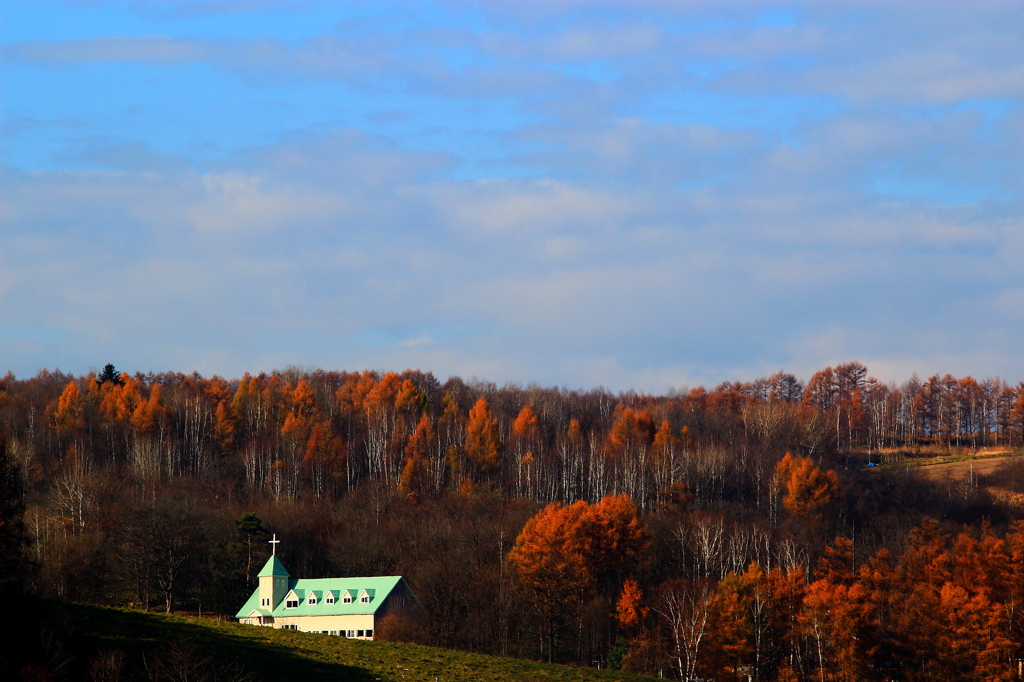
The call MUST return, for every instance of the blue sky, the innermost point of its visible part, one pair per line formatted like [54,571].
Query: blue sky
[630,194]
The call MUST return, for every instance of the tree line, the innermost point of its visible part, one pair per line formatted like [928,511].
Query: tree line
[575,526]
[301,433]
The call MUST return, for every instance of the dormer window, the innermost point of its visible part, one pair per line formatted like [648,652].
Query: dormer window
[312,600]
[365,599]
[330,598]
[291,604]
[347,599]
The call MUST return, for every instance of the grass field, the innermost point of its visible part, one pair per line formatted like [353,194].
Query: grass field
[999,472]
[927,455]
[980,466]
[223,651]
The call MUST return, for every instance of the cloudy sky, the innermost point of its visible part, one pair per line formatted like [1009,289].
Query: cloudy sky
[628,194]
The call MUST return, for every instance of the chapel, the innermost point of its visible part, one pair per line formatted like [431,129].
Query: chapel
[345,607]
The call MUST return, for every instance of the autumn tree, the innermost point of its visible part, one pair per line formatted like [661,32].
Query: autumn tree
[807,489]
[525,449]
[324,459]
[198,409]
[611,537]
[386,426]
[837,616]
[254,422]
[630,611]
[150,455]
[665,452]
[784,655]
[570,449]
[451,436]
[416,475]
[302,417]
[118,401]
[1016,416]
[753,595]
[628,446]
[483,444]
[549,563]
[564,551]
[67,412]
[730,645]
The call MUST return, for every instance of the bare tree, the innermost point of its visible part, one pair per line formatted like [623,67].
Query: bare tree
[686,608]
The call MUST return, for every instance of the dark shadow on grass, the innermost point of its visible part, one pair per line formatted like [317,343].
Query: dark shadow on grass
[143,637]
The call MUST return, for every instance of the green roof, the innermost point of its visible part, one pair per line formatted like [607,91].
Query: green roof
[273,567]
[377,588]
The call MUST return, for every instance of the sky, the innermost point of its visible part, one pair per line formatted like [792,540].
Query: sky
[635,195]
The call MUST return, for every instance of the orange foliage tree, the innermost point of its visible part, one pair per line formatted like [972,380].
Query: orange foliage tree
[808,489]
[664,455]
[630,611]
[547,559]
[838,617]
[563,550]
[627,445]
[67,411]
[416,476]
[483,444]
[525,442]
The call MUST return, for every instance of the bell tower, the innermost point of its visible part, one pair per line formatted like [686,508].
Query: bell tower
[273,580]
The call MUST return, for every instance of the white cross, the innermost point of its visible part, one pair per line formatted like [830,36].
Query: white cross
[273,545]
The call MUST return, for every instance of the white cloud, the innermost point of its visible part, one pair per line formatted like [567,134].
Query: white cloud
[619,206]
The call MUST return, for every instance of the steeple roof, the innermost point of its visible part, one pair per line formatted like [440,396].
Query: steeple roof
[273,567]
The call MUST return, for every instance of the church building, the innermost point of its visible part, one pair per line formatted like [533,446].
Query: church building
[346,607]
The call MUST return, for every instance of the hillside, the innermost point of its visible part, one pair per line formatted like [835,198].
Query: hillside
[149,645]
[999,475]
[516,514]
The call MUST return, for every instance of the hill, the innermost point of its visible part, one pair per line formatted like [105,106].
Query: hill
[100,643]
[1000,473]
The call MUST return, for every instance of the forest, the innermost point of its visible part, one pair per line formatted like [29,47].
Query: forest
[773,529]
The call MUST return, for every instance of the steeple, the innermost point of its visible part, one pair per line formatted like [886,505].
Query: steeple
[273,580]
[273,567]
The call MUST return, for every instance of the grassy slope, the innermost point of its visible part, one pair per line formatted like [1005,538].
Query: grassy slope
[285,655]
[932,455]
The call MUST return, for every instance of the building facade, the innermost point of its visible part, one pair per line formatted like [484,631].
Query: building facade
[345,607]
